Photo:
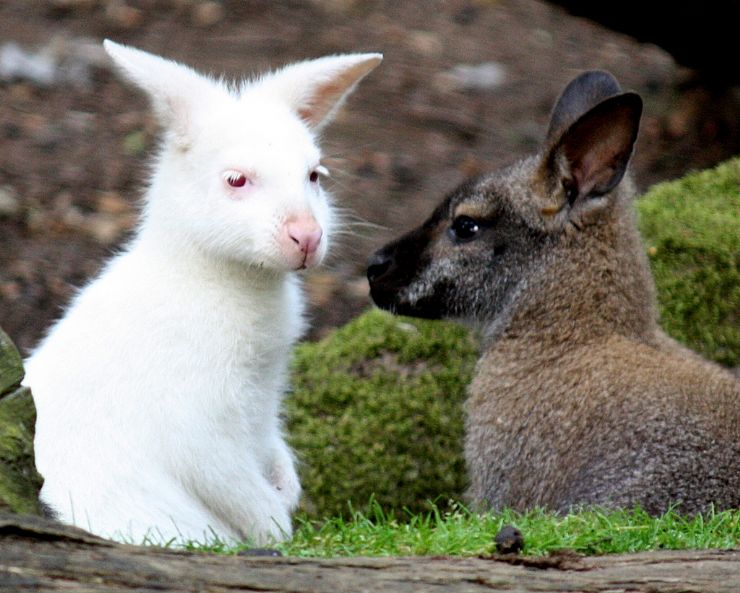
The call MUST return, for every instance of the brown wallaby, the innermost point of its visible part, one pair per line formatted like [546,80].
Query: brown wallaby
[579,398]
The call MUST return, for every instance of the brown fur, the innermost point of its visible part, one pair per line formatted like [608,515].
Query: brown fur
[578,397]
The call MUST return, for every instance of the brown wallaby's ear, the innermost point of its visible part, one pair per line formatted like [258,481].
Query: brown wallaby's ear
[581,95]
[599,145]
[591,155]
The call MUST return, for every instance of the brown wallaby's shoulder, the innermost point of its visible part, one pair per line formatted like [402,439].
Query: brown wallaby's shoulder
[578,397]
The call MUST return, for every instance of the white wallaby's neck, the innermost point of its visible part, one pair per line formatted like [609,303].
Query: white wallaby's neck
[180,257]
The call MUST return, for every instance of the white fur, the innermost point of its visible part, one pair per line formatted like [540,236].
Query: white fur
[158,393]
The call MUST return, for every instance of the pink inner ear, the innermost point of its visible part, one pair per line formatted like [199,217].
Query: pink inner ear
[327,95]
[596,169]
[598,147]
[318,105]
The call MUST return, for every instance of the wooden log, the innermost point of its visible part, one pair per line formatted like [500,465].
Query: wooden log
[40,555]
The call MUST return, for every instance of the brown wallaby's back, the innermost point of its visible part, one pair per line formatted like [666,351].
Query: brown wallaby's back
[578,398]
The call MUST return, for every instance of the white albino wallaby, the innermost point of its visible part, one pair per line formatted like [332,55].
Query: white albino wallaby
[158,393]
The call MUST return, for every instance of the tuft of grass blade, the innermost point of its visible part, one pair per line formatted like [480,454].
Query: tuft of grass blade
[458,531]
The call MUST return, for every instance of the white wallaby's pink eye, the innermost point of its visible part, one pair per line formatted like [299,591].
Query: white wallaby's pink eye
[235,178]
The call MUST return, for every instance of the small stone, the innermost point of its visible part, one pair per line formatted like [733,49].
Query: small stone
[80,122]
[123,16]
[17,63]
[111,202]
[487,76]
[104,228]
[542,37]
[74,4]
[358,288]
[10,291]
[509,540]
[264,552]
[425,43]
[207,14]
[10,205]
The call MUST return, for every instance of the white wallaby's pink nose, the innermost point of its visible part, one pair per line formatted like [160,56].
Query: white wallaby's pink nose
[302,237]
[305,234]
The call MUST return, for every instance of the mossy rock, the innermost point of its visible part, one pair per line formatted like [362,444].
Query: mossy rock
[691,229]
[19,481]
[11,366]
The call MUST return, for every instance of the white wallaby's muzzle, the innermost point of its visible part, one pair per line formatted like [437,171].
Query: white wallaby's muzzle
[301,239]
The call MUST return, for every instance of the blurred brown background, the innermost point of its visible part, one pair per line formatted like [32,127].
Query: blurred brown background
[466,86]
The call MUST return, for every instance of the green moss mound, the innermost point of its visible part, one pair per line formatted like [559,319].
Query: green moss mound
[377,413]
[691,228]
[19,481]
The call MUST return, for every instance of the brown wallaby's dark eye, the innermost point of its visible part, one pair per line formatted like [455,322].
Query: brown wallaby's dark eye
[464,228]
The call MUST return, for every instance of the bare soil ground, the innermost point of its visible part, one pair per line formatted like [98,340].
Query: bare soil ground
[73,153]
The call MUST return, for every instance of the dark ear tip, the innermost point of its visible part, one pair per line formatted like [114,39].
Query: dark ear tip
[634,100]
[580,95]
[630,101]
[592,85]
[601,79]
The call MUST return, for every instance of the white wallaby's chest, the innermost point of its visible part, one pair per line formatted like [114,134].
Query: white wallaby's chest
[180,377]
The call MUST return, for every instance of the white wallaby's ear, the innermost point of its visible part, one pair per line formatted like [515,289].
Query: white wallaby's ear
[314,89]
[172,87]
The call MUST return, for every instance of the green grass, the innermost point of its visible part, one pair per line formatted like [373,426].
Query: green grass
[459,532]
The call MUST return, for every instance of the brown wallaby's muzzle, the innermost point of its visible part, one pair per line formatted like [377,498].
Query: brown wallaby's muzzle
[392,270]
[379,267]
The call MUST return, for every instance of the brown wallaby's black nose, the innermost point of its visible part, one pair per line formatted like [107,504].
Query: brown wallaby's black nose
[379,264]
